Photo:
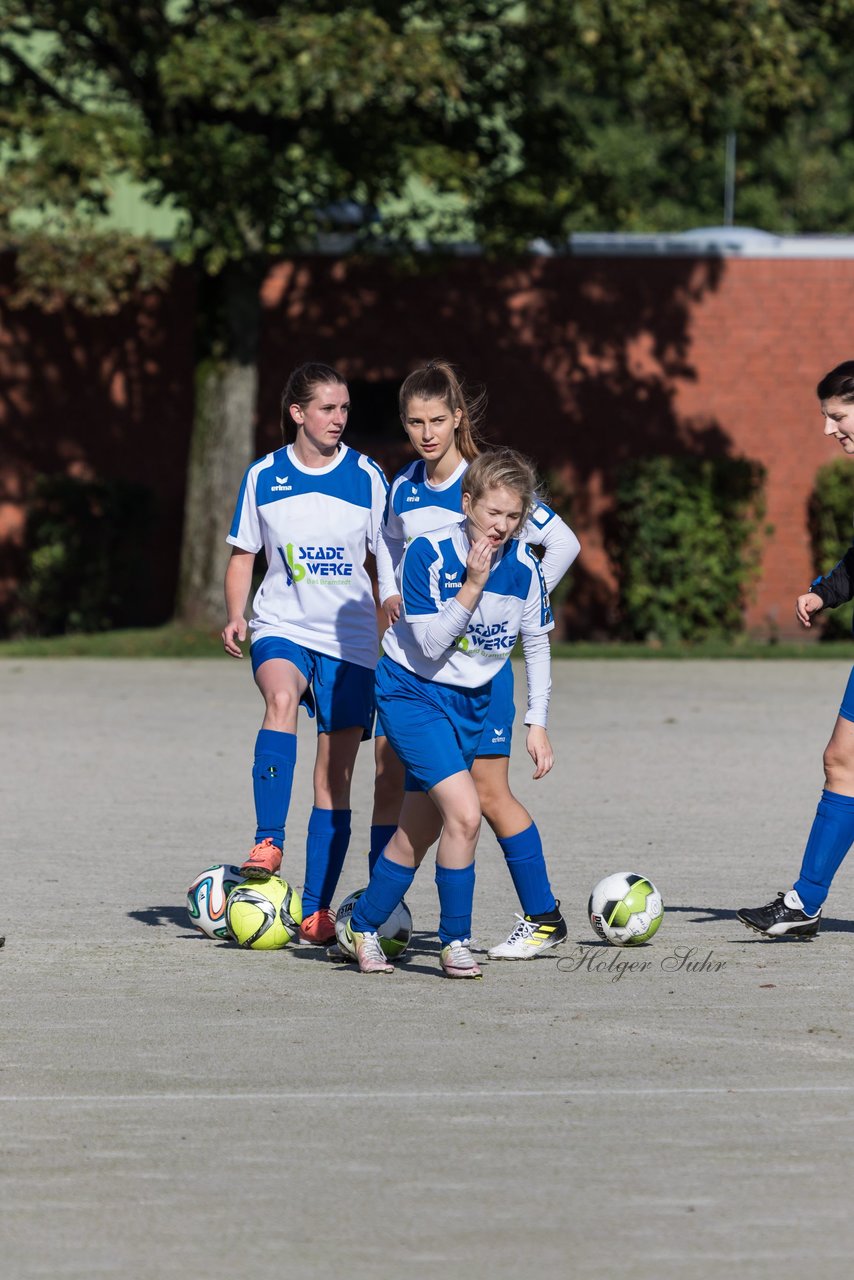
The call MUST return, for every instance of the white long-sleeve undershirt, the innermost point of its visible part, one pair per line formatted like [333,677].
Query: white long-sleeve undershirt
[441,633]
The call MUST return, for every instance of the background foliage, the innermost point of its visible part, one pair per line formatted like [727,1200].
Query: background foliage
[831,509]
[255,128]
[687,537]
[85,544]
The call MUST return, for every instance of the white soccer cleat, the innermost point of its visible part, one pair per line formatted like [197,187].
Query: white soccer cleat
[370,956]
[458,962]
[531,937]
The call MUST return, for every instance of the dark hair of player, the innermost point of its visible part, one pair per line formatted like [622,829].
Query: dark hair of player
[301,386]
[838,384]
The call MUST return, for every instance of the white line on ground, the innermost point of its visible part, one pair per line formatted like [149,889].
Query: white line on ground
[305,1095]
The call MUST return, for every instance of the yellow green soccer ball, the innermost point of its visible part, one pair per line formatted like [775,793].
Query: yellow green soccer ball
[625,909]
[263,914]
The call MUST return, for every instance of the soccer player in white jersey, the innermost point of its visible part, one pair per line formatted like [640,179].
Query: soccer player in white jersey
[440,420]
[314,507]
[468,593]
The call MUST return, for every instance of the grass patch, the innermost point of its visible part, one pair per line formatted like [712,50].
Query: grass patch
[740,648]
[154,642]
[186,642]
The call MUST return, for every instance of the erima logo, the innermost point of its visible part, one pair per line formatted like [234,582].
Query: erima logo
[281,485]
[497,732]
[450,576]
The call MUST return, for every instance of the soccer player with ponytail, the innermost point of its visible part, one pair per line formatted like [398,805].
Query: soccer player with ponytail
[314,507]
[441,419]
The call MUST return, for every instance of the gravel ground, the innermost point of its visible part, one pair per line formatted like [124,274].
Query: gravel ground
[174,1106]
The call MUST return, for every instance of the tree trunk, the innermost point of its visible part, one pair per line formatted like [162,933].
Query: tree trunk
[223,440]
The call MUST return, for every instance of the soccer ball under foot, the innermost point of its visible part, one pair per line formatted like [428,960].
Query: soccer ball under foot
[394,934]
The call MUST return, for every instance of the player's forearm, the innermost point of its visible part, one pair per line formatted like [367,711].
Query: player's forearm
[837,587]
[441,633]
[238,581]
[538,670]
[389,554]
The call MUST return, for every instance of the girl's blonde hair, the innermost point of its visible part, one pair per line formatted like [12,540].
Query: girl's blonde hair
[502,468]
[439,381]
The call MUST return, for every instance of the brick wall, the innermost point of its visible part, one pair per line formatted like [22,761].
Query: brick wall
[588,363]
[107,398]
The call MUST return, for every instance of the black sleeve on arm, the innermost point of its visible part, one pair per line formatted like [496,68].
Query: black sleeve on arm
[837,586]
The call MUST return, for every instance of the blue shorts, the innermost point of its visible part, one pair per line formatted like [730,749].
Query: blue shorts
[339,693]
[497,735]
[847,708]
[434,728]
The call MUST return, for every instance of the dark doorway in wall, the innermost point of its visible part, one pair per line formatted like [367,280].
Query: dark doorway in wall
[374,416]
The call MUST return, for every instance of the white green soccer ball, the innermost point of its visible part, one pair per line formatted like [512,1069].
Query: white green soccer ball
[264,915]
[206,899]
[625,909]
[394,934]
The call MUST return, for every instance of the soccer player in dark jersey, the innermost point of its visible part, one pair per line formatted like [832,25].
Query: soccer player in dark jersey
[796,912]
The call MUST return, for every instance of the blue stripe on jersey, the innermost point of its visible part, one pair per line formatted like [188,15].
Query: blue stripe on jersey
[415,587]
[546,615]
[414,492]
[376,466]
[349,481]
[238,510]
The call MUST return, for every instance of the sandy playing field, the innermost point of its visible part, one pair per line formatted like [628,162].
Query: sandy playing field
[175,1107]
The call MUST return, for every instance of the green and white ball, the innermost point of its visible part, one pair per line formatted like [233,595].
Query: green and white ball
[264,915]
[206,899]
[394,934]
[625,909]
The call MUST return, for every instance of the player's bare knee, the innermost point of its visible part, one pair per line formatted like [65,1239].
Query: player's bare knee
[282,705]
[838,768]
[465,824]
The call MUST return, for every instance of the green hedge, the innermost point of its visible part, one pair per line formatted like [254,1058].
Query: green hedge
[686,540]
[829,515]
[86,554]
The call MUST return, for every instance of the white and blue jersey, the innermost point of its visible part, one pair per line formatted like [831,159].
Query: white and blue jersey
[416,506]
[315,525]
[434,684]
[514,602]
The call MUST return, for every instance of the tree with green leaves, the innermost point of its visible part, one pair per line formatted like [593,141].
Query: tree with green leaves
[252,122]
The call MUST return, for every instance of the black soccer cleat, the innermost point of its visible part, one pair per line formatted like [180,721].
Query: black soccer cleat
[780,919]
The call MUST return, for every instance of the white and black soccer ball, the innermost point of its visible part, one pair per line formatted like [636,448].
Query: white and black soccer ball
[394,934]
[625,909]
[206,898]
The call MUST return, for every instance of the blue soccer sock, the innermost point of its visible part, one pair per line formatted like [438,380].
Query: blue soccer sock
[389,882]
[456,894]
[380,837]
[523,854]
[830,838]
[325,850]
[272,780]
